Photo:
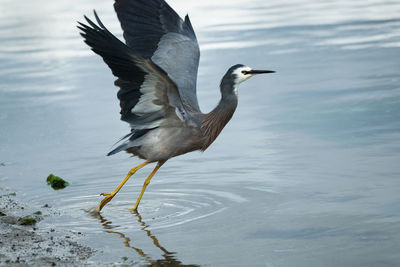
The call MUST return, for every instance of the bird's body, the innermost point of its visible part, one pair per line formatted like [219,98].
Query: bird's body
[156,72]
[164,143]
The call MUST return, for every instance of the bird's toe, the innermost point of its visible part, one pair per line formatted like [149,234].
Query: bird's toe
[107,199]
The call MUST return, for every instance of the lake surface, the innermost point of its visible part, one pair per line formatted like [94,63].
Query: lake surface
[307,173]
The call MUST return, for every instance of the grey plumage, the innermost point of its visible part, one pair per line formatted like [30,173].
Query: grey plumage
[154,30]
[148,96]
[156,72]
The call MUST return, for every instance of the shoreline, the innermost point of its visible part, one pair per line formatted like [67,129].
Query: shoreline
[23,242]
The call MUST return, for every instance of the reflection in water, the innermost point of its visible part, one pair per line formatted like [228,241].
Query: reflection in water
[168,257]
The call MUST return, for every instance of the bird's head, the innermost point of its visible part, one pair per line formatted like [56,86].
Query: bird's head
[238,74]
[241,73]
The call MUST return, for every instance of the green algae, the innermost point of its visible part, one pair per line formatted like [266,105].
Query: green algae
[27,221]
[56,182]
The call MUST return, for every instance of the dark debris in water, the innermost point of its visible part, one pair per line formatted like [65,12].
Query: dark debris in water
[56,182]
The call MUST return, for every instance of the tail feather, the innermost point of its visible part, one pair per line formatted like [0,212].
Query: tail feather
[134,140]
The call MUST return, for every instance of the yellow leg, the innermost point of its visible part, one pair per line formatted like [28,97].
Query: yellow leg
[110,195]
[146,182]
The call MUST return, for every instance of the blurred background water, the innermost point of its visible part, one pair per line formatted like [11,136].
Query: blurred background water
[306,173]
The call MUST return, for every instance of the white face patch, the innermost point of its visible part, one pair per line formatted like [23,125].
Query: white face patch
[240,76]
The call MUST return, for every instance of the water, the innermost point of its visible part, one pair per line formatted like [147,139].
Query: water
[305,174]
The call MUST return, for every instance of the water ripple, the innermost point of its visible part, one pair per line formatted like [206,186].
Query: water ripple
[166,207]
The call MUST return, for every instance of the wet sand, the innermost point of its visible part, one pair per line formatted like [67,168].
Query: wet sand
[23,243]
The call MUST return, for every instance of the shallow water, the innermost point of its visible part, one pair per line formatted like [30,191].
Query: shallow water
[305,174]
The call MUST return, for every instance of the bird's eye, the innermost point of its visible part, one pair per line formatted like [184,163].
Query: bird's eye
[244,72]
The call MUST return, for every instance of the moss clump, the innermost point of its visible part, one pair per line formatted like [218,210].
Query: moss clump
[27,221]
[56,182]
[38,212]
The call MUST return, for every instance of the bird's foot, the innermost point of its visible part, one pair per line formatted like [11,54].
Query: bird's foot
[108,197]
[134,209]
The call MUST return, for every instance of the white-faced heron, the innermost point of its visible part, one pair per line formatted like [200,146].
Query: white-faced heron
[156,72]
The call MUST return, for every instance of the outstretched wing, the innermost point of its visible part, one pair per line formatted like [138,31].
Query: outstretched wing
[148,97]
[155,30]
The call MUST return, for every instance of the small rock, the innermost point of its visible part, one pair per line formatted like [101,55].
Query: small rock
[9,219]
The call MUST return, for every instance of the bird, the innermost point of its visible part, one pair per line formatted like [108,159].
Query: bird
[156,72]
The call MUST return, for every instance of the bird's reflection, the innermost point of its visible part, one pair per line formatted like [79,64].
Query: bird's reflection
[168,259]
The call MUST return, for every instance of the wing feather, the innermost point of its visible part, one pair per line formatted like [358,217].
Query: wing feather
[155,30]
[148,97]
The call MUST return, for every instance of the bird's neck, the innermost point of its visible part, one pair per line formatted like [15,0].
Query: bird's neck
[215,121]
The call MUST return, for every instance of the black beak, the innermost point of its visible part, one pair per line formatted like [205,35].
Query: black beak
[259,71]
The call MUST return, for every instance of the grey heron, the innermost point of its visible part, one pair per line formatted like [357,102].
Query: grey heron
[156,72]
